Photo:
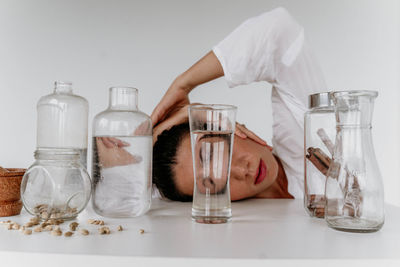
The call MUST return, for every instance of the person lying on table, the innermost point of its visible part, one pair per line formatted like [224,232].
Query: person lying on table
[272,48]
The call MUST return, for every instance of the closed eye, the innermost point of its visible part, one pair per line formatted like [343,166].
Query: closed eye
[209,180]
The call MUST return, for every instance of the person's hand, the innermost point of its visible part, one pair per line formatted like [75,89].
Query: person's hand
[242,132]
[145,128]
[111,142]
[177,117]
[206,69]
[175,99]
[111,153]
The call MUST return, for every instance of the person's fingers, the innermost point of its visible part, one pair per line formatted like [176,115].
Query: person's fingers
[168,124]
[107,143]
[254,137]
[177,118]
[123,157]
[100,144]
[173,98]
[101,150]
[120,142]
[136,159]
[116,142]
[160,112]
[166,104]
[242,131]
[143,129]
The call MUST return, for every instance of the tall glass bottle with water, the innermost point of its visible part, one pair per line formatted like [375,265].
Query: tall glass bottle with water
[354,188]
[122,157]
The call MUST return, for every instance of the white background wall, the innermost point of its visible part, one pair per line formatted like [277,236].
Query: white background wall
[146,44]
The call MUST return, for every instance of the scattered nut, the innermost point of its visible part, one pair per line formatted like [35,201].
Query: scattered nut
[16,226]
[83,231]
[97,222]
[54,221]
[44,215]
[44,224]
[51,221]
[73,226]
[29,224]
[68,234]
[141,231]
[35,220]
[27,232]
[48,228]
[56,232]
[104,230]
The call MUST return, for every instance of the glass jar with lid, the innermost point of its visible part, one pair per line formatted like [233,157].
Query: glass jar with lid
[319,135]
[122,157]
[56,186]
[62,121]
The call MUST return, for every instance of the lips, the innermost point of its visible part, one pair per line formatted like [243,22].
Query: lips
[261,172]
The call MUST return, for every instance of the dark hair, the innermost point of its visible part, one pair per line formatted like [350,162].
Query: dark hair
[164,160]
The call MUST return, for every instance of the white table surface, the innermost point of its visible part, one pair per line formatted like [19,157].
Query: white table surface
[260,229]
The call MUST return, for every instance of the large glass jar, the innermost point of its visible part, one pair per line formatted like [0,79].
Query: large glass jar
[319,135]
[122,157]
[354,188]
[56,186]
[62,121]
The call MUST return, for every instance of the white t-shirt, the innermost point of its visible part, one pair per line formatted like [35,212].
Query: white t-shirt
[272,48]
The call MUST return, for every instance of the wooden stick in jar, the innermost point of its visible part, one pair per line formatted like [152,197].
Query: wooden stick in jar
[319,159]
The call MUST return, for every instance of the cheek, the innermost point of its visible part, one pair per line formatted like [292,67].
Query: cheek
[239,190]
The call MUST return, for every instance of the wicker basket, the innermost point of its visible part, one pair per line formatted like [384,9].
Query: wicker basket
[10,196]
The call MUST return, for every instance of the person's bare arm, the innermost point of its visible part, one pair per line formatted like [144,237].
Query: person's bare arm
[206,69]
[172,109]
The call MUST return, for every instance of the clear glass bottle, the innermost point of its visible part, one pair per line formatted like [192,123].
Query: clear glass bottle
[122,157]
[56,186]
[319,134]
[354,188]
[62,121]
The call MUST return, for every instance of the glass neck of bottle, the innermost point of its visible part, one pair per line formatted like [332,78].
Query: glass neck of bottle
[62,87]
[354,109]
[123,98]
[56,154]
